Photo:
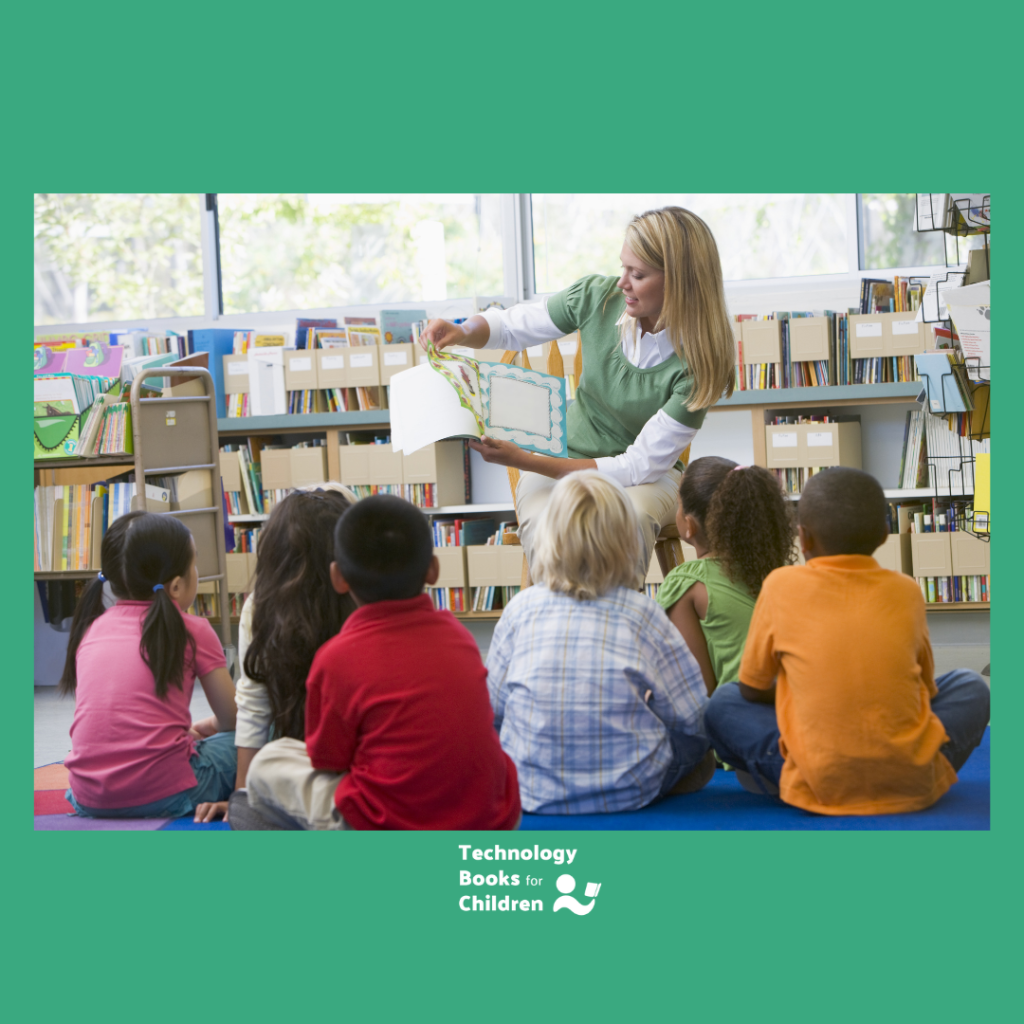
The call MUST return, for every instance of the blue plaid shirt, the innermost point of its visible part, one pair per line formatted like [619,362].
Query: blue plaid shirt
[599,703]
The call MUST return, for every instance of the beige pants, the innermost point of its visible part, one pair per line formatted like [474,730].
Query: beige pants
[287,790]
[655,506]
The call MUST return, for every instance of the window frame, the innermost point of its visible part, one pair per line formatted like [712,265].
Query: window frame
[757,295]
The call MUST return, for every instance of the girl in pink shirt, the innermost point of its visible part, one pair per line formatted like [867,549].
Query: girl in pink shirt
[136,752]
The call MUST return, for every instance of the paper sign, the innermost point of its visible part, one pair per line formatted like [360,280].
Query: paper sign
[819,439]
[297,365]
[869,330]
[361,359]
[784,440]
[333,362]
[394,359]
[904,327]
[238,369]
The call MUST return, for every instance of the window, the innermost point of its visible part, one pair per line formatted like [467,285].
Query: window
[888,238]
[296,251]
[116,256]
[759,235]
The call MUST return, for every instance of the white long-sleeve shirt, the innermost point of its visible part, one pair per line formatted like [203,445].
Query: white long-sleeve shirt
[252,724]
[658,445]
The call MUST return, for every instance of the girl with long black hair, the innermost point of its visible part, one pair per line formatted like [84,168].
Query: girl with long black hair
[135,750]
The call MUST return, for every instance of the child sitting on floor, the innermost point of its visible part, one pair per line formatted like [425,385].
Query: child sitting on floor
[398,724]
[598,700]
[742,528]
[840,647]
[291,612]
[132,669]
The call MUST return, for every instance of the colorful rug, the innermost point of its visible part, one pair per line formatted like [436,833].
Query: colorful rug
[723,805]
[54,814]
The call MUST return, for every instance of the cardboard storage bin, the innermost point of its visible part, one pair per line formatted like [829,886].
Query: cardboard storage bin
[453,567]
[483,565]
[240,566]
[195,490]
[308,466]
[276,469]
[808,338]
[762,341]
[236,374]
[970,556]
[230,471]
[441,464]
[385,464]
[394,359]
[785,446]
[510,561]
[931,554]
[300,369]
[886,334]
[894,553]
[331,371]
[354,460]
[363,366]
[831,444]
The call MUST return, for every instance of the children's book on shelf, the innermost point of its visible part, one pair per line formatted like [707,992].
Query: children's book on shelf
[970,310]
[486,599]
[396,324]
[451,396]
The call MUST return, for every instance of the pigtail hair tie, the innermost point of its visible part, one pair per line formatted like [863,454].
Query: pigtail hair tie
[159,586]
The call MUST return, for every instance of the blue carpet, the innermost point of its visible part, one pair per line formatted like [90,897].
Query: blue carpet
[186,824]
[723,805]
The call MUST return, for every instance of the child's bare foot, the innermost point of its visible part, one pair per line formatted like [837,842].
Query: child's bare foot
[698,778]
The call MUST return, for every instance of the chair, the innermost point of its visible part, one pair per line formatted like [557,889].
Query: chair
[663,547]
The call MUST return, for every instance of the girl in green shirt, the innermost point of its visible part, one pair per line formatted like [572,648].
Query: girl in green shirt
[742,528]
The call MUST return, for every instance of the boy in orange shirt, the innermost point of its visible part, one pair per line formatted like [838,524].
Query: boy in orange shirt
[840,647]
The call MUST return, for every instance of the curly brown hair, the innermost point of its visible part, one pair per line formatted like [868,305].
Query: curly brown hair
[749,524]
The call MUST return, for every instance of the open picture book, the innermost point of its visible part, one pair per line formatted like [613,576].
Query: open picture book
[452,396]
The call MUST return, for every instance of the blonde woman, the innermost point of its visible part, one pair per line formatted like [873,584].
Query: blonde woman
[596,696]
[657,353]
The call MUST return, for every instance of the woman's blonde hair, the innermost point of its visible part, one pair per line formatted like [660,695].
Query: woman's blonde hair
[678,243]
[588,538]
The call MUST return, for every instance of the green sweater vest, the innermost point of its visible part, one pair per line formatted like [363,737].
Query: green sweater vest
[614,399]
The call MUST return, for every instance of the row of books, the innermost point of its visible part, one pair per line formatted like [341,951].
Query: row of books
[884,370]
[107,430]
[71,519]
[484,598]
[463,532]
[246,539]
[793,479]
[901,295]
[449,599]
[837,369]
[208,605]
[955,589]
[937,454]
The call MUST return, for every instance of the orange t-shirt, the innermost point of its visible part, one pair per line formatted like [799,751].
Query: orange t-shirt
[849,644]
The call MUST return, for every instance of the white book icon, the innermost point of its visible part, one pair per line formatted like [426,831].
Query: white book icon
[593,888]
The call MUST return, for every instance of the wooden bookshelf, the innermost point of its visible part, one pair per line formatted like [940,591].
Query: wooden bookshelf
[304,423]
[833,394]
[958,606]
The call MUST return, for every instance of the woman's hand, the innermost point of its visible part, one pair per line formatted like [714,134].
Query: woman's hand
[500,453]
[212,811]
[444,334]
[474,333]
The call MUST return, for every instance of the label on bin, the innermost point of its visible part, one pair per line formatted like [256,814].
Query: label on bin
[333,362]
[869,330]
[904,326]
[787,439]
[299,364]
[396,358]
[238,369]
[819,439]
[359,359]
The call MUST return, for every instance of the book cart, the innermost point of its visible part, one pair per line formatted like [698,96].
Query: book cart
[170,435]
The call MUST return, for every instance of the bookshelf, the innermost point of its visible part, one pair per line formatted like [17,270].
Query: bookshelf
[170,435]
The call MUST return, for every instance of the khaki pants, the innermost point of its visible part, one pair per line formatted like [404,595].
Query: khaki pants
[287,790]
[655,506]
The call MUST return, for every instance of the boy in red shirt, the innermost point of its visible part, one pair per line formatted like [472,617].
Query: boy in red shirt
[399,727]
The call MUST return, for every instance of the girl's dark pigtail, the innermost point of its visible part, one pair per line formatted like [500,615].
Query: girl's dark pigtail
[164,643]
[750,526]
[88,610]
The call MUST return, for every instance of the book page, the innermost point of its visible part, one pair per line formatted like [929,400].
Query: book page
[425,408]
[526,407]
